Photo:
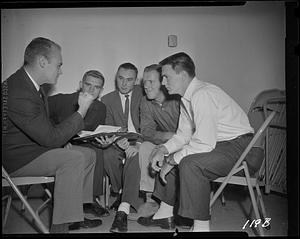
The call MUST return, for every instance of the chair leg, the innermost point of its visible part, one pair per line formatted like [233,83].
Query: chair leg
[223,199]
[252,196]
[106,191]
[29,208]
[261,202]
[8,197]
[40,208]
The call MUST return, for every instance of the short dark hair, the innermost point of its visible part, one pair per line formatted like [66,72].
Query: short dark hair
[95,74]
[180,62]
[129,66]
[154,67]
[39,47]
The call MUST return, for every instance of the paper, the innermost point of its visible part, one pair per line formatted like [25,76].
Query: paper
[100,129]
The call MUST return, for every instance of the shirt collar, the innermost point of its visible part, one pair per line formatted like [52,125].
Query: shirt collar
[192,87]
[123,95]
[33,81]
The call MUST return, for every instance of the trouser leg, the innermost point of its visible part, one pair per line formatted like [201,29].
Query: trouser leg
[73,170]
[196,172]
[99,171]
[113,167]
[131,181]
[167,192]
[147,181]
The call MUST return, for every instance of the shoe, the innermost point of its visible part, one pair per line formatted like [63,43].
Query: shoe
[165,223]
[95,209]
[183,222]
[145,210]
[115,205]
[59,228]
[87,223]
[119,223]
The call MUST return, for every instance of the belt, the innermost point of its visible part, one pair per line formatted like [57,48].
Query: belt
[245,135]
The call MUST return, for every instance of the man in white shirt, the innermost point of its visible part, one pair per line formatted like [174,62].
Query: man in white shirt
[212,133]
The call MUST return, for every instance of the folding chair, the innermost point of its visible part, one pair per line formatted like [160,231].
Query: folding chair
[13,182]
[106,190]
[241,165]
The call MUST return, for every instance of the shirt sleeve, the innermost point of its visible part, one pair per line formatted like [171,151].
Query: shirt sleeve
[204,136]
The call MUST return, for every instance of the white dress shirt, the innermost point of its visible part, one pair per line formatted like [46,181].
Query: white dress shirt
[209,115]
[123,99]
[33,81]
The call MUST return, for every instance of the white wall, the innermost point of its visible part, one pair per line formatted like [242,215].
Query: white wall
[240,48]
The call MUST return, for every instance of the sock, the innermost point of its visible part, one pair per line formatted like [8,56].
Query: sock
[148,197]
[124,207]
[164,211]
[201,226]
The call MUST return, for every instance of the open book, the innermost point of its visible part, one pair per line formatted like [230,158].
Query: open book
[100,129]
[105,130]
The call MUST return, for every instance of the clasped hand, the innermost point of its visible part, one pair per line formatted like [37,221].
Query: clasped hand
[105,141]
[130,150]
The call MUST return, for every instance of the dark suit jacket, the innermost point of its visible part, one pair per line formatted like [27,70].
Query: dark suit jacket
[27,131]
[114,112]
[61,106]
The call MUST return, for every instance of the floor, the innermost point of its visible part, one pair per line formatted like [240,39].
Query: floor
[231,217]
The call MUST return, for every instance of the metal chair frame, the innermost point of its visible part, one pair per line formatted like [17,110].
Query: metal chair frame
[240,165]
[13,182]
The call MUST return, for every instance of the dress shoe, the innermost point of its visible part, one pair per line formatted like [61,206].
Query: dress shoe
[95,209]
[145,210]
[165,223]
[119,223]
[87,223]
[115,205]
[183,222]
[59,228]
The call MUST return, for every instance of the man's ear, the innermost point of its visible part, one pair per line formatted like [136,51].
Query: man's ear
[42,61]
[80,85]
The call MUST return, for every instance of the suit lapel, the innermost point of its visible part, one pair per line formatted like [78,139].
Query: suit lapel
[118,105]
[35,93]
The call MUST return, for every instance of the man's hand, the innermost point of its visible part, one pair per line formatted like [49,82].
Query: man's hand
[84,102]
[132,150]
[166,168]
[157,157]
[106,141]
[123,143]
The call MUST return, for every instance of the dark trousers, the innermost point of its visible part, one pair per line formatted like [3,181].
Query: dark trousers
[113,166]
[167,192]
[99,170]
[197,170]
[131,181]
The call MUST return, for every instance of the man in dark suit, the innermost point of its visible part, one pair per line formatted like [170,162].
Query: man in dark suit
[122,109]
[61,106]
[32,145]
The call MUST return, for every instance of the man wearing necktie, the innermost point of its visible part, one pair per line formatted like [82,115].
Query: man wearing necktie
[33,145]
[212,133]
[122,109]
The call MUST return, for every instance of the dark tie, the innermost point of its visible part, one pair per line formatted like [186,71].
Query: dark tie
[44,98]
[126,111]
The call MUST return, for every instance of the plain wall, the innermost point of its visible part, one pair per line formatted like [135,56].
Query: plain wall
[239,48]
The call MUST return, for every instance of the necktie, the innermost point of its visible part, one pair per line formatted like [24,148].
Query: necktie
[44,98]
[126,113]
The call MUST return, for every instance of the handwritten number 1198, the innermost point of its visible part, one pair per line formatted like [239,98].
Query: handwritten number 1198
[256,222]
